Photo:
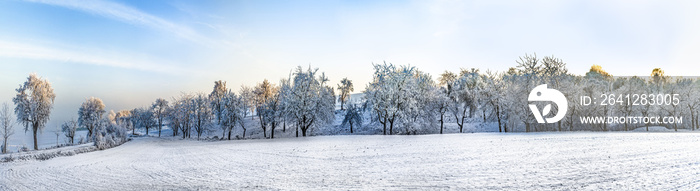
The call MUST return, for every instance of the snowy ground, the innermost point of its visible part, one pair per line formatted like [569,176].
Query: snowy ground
[481,161]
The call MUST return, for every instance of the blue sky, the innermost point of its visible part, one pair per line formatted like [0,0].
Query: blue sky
[131,52]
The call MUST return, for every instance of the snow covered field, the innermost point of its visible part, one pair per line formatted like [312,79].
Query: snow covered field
[480,161]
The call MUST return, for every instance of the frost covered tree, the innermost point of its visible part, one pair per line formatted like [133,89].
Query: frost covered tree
[33,104]
[216,96]
[494,95]
[691,90]
[160,107]
[6,128]
[123,118]
[179,115]
[263,94]
[345,87]
[275,110]
[627,86]
[401,95]
[246,104]
[248,98]
[463,96]
[90,113]
[353,116]
[69,128]
[144,118]
[442,96]
[201,114]
[419,106]
[385,95]
[311,100]
[233,112]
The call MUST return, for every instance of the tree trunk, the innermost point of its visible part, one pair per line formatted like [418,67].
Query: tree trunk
[384,128]
[559,125]
[350,126]
[382,122]
[303,132]
[527,127]
[229,134]
[4,146]
[498,117]
[36,147]
[442,120]
[391,127]
[160,126]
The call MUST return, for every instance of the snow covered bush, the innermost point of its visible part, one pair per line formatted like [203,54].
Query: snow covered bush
[108,134]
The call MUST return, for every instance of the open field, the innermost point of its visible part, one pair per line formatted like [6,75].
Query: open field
[480,161]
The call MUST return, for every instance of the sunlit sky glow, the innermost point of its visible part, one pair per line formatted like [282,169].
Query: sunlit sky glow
[128,53]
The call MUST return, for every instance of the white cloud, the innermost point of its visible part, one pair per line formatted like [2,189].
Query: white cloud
[64,53]
[130,15]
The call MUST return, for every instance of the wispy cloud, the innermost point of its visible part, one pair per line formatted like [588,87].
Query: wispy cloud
[130,15]
[68,54]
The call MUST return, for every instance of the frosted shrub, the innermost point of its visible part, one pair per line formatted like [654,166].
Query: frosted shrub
[108,134]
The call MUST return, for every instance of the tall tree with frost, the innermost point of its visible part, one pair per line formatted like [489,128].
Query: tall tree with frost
[6,128]
[123,118]
[388,92]
[201,114]
[493,92]
[442,99]
[33,104]
[419,103]
[272,111]
[144,118]
[232,113]
[216,96]
[246,104]
[90,113]
[179,115]
[311,101]
[263,93]
[345,87]
[159,109]
[248,98]
[69,128]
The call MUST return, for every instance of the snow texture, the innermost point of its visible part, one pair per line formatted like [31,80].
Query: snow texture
[479,161]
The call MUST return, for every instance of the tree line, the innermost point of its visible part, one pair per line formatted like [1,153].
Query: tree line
[400,99]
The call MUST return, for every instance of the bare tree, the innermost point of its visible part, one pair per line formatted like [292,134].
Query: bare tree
[6,128]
